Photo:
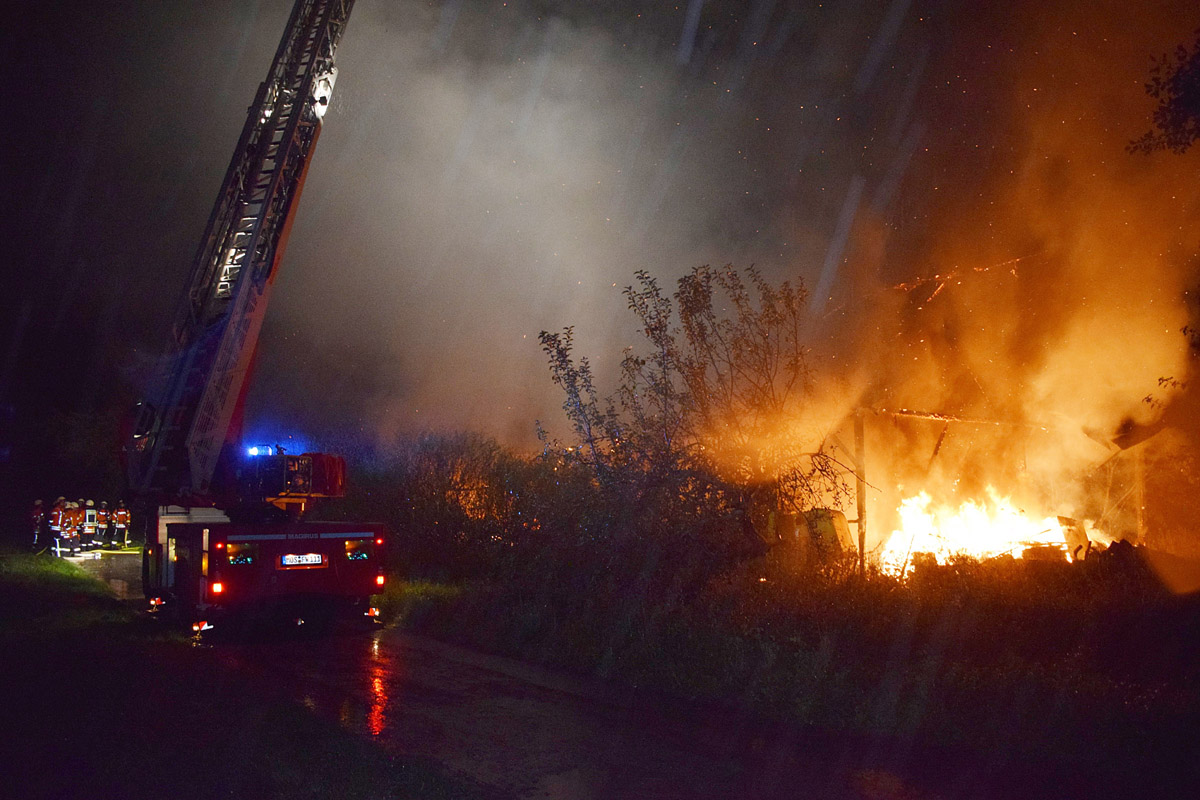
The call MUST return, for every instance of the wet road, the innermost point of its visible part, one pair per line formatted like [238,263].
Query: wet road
[524,732]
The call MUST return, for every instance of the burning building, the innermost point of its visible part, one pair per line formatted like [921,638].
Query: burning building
[1018,340]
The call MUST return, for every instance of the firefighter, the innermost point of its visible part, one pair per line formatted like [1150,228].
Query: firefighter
[37,516]
[88,524]
[55,523]
[72,523]
[120,520]
[103,530]
[77,519]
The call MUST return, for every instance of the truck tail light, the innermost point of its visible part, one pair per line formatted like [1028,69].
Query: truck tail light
[379,580]
[218,587]
[379,540]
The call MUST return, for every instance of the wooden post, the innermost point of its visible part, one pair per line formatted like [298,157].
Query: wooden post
[860,489]
[1139,493]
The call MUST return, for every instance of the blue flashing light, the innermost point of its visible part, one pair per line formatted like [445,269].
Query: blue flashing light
[260,450]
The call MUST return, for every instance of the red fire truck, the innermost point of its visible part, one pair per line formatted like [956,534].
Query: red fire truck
[225,526]
[293,570]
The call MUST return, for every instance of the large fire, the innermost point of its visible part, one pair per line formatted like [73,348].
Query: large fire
[983,529]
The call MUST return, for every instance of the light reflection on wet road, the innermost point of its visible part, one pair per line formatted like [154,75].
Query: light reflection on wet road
[527,732]
[380,679]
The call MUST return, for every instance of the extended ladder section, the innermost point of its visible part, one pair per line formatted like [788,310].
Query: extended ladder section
[179,435]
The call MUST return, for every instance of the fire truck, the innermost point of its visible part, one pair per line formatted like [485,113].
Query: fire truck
[227,531]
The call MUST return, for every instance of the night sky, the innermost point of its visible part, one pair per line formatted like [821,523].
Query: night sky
[488,170]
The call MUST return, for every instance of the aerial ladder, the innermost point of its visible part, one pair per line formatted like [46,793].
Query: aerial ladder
[184,458]
[194,417]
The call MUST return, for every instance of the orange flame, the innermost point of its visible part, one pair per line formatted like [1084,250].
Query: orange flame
[981,529]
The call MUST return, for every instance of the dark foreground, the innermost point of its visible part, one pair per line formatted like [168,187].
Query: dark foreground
[100,702]
[105,705]
[521,731]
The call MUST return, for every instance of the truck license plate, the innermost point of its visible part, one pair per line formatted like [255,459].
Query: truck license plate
[302,560]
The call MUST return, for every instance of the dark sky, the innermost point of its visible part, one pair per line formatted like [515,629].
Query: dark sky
[491,169]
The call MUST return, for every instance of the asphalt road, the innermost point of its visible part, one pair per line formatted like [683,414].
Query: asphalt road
[519,731]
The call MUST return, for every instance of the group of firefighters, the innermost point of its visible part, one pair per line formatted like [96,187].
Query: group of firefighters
[72,526]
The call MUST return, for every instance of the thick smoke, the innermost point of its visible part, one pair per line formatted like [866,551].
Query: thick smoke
[490,170]
[950,180]
[1052,297]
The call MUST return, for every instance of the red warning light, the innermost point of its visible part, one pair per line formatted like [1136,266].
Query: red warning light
[379,580]
[220,545]
[218,587]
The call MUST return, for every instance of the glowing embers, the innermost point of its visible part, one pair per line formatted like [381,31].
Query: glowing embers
[981,529]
